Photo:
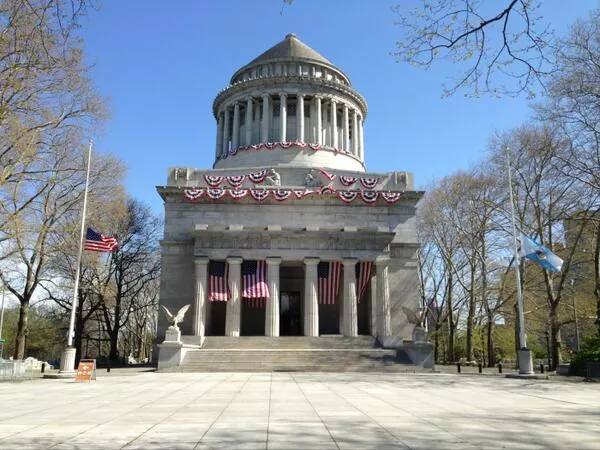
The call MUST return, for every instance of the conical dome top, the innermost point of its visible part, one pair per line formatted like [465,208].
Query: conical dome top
[290,47]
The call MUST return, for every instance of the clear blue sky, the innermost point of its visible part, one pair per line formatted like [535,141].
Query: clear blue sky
[160,64]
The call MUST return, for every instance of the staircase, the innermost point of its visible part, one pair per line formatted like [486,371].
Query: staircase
[292,354]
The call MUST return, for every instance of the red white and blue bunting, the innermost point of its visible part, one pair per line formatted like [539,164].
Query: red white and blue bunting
[280,195]
[283,145]
[213,180]
[236,180]
[348,181]
[369,182]
[258,177]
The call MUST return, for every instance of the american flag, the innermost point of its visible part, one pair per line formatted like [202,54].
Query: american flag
[254,280]
[218,281]
[96,242]
[363,274]
[328,274]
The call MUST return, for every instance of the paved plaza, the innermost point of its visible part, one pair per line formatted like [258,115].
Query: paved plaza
[151,410]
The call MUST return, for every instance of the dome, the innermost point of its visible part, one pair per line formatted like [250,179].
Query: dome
[289,49]
[290,107]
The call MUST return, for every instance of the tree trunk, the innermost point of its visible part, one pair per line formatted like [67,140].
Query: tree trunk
[555,341]
[491,353]
[114,342]
[597,277]
[450,349]
[436,343]
[19,352]
[471,317]
[78,338]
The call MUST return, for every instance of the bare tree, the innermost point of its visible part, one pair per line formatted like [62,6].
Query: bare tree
[504,47]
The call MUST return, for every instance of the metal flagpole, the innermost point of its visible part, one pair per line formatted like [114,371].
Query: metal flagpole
[67,362]
[525,360]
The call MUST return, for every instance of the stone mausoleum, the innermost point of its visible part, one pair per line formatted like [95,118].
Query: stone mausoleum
[289,234]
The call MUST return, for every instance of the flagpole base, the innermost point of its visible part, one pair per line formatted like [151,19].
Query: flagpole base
[67,361]
[525,362]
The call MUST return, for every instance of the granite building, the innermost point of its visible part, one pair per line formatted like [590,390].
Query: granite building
[288,233]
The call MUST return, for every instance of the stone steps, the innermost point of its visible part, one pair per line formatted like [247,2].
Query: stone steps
[289,342]
[292,353]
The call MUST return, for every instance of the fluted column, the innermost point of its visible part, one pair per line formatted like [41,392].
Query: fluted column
[346,143]
[355,133]
[300,118]
[225,147]
[384,327]
[200,304]
[362,139]
[233,316]
[283,117]
[350,308]
[319,126]
[219,135]
[264,135]
[235,140]
[272,307]
[334,136]
[248,140]
[311,301]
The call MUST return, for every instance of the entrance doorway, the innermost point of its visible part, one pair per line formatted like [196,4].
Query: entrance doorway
[290,321]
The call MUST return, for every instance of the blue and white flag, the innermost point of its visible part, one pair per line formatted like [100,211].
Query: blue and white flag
[533,251]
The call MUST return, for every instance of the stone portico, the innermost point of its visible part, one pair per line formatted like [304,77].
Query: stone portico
[289,187]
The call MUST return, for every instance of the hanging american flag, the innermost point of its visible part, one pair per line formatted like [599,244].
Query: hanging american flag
[254,279]
[218,281]
[96,242]
[328,274]
[363,274]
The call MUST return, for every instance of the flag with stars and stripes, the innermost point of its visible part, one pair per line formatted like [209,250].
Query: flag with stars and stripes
[254,279]
[363,274]
[218,281]
[329,274]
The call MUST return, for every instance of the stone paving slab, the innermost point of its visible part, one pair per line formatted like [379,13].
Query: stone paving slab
[299,410]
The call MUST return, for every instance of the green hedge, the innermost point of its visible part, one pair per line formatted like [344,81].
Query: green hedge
[589,352]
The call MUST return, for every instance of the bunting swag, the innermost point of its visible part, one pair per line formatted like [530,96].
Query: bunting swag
[369,182]
[369,197]
[213,180]
[254,280]
[218,281]
[236,180]
[348,181]
[330,176]
[363,274]
[193,194]
[258,177]
[328,284]
[284,145]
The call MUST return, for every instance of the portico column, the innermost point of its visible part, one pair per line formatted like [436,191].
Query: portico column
[225,147]
[346,119]
[283,117]
[334,136]
[234,306]
[384,327]
[235,141]
[311,301]
[350,309]
[200,304]
[264,137]
[355,133]
[319,136]
[219,135]
[272,310]
[362,139]
[248,140]
[300,118]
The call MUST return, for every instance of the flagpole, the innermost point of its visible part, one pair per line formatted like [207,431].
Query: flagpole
[525,360]
[67,361]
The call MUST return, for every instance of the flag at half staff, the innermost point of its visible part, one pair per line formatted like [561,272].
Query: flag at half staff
[96,242]
[533,251]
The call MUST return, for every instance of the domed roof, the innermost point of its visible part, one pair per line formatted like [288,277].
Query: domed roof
[290,47]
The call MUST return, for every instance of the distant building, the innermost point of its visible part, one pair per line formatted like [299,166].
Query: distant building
[288,233]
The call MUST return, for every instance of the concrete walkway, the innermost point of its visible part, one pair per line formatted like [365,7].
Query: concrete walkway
[299,410]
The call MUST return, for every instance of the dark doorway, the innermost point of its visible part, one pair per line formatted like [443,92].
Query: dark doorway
[216,321]
[290,322]
[253,316]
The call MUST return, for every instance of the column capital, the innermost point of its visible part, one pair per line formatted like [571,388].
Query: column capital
[300,94]
[236,104]
[349,261]
[311,260]
[235,260]
[249,98]
[201,260]
[273,260]
[283,94]
[382,261]
[265,96]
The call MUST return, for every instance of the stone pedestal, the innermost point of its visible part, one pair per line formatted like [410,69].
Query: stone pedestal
[173,334]
[419,335]
[67,361]
[525,362]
